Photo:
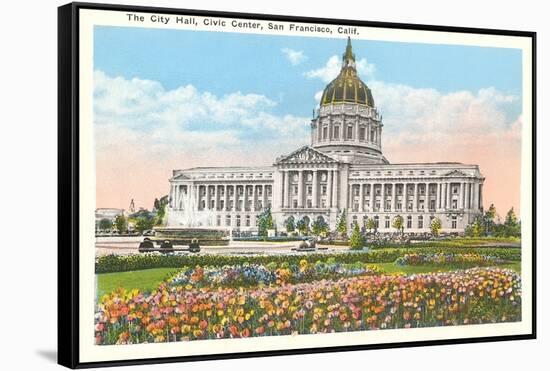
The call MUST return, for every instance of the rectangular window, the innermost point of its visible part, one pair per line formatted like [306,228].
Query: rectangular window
[350,132]
[453,222]
[309,190]
[361,133]
[336,132]
[324,190]
[399,205]
[355,207]
[325,133]
[295,190]
[309,204]
[455,204]
[420,223]
[294,203]
[387,223]
[409,222]
[228,221]
[323,203]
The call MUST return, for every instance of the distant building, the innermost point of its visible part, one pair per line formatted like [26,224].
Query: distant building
[342,170]
[106,213]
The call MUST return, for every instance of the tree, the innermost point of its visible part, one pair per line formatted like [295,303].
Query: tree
[290,224]
[511,224]
[160,206]
[478,229]
[342,224]
[435,226]
[319,227]
[303,226]
[265,222]
[121,224]
[144,223]
[370,225]
[356,239]
[398,223]
[489,219]
[105,224]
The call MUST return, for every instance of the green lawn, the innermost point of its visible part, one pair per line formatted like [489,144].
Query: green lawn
[143,280]
[411,269]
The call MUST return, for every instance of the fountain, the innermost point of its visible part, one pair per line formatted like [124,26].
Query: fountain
[187,223]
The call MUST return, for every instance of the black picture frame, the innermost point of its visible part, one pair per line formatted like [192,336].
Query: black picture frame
[69,193]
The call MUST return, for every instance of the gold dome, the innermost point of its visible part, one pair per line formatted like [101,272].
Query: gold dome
[347,87]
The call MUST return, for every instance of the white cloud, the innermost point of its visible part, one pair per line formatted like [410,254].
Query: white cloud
[143,114]
[295,57]
[419,116]
[331,69]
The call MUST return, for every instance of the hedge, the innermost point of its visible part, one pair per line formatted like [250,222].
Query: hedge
[123,263]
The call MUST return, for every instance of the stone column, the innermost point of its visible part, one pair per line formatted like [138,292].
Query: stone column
[301,189]
[245,197]
[315,186]
[372,197]
[225,198]
[329,188]
[335,189]
[216,197]
[393,205]
[466,195]
[286,197]
[264,196]
[448,196]
[438,196]
[461,196]
[415,197]
[361,197]
[235,198]
[254,197]
[175,200]
[383,194]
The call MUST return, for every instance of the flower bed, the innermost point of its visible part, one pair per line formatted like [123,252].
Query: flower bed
[440,259]
[179,313]
[256,274]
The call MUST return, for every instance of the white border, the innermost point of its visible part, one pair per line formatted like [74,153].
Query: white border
[89,352]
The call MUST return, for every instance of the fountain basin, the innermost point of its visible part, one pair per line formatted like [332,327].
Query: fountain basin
[184,235]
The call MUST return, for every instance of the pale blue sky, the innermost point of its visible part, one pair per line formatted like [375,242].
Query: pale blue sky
[189,98]
[222,63]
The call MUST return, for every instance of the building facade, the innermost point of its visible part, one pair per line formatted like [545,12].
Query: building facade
[342,170]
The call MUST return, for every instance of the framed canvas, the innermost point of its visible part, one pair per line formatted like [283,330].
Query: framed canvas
[242,185]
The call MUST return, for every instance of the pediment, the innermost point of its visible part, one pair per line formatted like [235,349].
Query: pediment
[180,177]
[305,154]
[456,173]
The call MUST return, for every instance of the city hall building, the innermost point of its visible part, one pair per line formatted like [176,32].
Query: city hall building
[342,170]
